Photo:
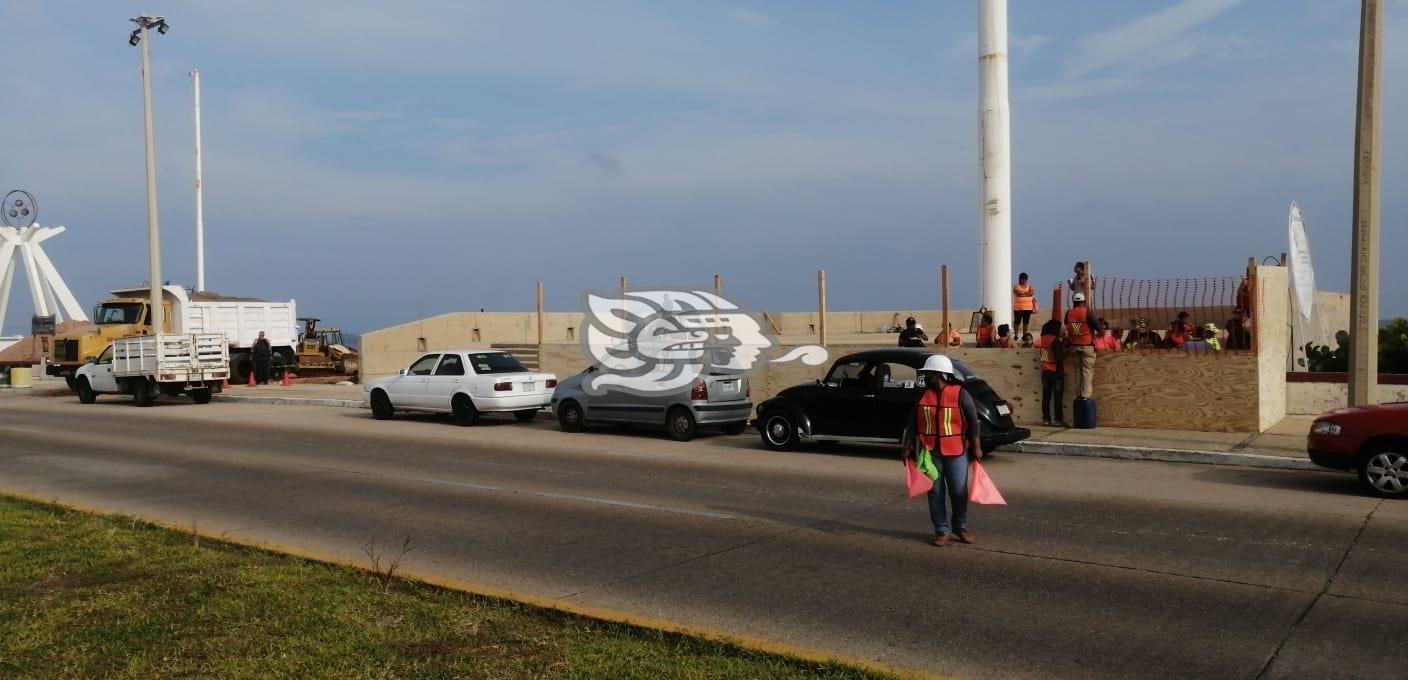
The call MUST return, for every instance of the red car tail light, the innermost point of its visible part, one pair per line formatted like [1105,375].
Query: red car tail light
[700,391]
[503,386]
[551,384]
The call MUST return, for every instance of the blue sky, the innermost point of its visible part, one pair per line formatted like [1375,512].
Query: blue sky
[381,162]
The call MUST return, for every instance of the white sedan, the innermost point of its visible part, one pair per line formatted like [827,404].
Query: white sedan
[463,383]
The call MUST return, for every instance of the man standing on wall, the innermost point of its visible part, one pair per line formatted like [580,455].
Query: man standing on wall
[1082,345]
[262,352]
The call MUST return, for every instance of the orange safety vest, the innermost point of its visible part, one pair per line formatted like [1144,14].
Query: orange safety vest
[941,421]
[1078,326]
[1023,299]
[985,335]
[1047,353]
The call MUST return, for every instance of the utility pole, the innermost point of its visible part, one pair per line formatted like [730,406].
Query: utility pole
[1364,268]
[200,204]
[139,37]
[995,163]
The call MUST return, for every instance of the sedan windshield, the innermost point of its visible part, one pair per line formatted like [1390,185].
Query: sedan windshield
[120,312]
[495,362]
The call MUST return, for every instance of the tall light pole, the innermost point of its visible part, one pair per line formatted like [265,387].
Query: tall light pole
[1364,267]
[200,204]
[139,37]
[995,182]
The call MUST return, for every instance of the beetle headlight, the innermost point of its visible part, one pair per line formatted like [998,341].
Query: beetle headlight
[1324,427]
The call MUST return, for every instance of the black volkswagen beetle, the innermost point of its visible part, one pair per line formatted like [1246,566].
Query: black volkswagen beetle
[867,397]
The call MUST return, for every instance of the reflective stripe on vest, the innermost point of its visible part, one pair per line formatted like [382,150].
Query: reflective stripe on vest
[1048,357]
[1023,299]
[1078,326]
[940,423]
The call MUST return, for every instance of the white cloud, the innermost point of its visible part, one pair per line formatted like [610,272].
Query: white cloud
[1159,37]
[749,17]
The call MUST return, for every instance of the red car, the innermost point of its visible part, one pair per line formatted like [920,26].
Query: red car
[1370,439]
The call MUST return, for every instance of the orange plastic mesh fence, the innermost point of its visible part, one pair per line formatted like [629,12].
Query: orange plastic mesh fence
[1147,314]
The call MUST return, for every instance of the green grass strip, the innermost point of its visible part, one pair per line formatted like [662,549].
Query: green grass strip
[92,596]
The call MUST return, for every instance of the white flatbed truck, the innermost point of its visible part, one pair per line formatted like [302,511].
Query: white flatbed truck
[147,365]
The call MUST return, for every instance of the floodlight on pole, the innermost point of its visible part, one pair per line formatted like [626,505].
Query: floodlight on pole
[144,23]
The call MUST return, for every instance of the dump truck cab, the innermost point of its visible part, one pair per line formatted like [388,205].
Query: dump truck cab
[125,314]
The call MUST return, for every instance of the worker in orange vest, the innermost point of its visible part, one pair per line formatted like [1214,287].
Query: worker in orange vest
[943,436]
[1081,339]
[1051,350]
[1023,306]
[985,330]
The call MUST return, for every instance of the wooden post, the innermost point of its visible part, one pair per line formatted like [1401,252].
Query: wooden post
[623,287]
[718,286]
[1364,267]
[943,286]
[1252,310]
[821,306]
[540,313]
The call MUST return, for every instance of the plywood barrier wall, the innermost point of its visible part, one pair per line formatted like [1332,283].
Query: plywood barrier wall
[1214,392]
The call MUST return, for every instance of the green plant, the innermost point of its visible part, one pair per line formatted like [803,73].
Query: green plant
[1393,351]
[1321,358]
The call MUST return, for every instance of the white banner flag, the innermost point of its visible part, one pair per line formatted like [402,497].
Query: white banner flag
[1302,273]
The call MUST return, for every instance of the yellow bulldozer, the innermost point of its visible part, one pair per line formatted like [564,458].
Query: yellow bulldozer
[322,352]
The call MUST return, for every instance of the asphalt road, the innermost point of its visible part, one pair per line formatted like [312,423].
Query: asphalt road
[1096,568]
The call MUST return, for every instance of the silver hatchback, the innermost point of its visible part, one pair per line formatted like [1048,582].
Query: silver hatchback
[712,401]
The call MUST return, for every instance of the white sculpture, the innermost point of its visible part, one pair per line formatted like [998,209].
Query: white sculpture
[22,244]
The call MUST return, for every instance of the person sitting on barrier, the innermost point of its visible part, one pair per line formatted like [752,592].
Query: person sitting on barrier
[913,334]
[1179,332]
[1004,337]
[985,331]
[1141,337]
[1197,342]
[949,337]
[1027,342]
[1105,340]
[1208,334]
[1239,330]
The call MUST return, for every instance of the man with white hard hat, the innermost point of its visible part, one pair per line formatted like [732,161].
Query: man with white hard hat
[942,436]
[1081,339]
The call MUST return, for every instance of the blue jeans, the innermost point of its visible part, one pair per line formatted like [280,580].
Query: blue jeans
[953,474]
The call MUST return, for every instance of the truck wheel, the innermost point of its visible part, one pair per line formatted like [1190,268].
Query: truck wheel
[201,396]
[462,411]
[680,424]
[86,395]
[72,384]
[526,416]
[142,392]
[239,372]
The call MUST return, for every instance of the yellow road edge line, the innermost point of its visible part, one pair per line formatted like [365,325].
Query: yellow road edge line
[756,644]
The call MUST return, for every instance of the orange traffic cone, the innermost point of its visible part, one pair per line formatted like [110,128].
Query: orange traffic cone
[285,382]
[251,378]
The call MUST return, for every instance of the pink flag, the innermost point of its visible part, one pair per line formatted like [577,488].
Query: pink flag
[981,490]
[919,483]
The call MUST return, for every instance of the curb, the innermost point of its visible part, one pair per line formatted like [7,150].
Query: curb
[1257,460]
[292,401]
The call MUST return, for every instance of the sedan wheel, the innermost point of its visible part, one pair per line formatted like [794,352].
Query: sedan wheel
[779,432]
[680,424]
[462,411]
[381,406]
[570,417]
[1384,473]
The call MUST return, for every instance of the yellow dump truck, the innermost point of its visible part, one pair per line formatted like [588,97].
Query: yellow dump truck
[239,319]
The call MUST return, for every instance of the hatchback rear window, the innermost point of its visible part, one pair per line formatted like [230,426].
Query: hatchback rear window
[495,362]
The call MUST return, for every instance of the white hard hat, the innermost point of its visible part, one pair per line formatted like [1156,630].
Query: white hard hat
[1078,297]
[938,363]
